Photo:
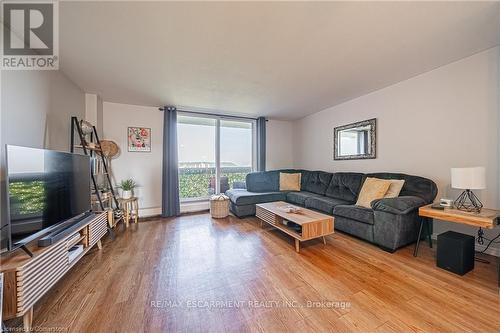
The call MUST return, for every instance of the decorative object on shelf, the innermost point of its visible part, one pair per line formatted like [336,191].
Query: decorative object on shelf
[87,130]
[109,148]
[468,179]
[139,139]
[219,206]
[291,209]
[446,202]
[127,186]
[355,141]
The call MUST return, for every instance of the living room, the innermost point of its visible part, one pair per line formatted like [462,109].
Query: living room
[250,166]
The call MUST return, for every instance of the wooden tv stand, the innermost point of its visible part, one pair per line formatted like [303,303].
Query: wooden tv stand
[27,279]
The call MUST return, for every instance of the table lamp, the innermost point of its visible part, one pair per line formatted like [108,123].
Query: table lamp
[468,179]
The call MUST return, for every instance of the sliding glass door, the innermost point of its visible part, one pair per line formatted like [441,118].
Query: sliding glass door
[196,137]
[236,153]
[215,154]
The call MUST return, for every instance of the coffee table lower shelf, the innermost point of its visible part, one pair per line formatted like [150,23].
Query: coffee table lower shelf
[314,225]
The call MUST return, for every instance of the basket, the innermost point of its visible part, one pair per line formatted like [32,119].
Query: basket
[219,206]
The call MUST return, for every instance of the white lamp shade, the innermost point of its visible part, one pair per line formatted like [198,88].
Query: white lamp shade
[468,178]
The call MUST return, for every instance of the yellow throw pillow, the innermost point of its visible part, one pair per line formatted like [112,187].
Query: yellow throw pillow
[394,188]
[372,189]
[289,181]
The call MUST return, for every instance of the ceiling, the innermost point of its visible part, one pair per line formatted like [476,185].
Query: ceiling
[276,59]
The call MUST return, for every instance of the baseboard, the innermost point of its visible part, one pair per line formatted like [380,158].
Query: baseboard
[491,250]
[191,207]
[152,211]
[188,207]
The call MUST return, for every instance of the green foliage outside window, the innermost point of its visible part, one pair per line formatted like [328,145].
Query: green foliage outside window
[195,182]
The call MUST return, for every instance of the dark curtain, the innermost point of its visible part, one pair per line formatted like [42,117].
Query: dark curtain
[261,144]
[170,180]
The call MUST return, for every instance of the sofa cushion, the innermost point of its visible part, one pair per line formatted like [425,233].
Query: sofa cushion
[244,197]
[413,186]
[315,181]
[355,228]
[299,198]
[357,213]
[373,188]
[345,186]
[395,188]
[290,181]
[265,181]
[324,204]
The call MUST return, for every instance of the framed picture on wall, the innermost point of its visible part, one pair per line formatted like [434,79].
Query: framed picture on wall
[139,139]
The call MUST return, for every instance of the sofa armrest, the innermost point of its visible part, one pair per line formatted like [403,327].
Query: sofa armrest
[399,206]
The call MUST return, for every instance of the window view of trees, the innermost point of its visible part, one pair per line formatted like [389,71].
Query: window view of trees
[197,154]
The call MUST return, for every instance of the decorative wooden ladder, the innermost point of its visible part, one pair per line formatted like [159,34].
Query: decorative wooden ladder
[93,149]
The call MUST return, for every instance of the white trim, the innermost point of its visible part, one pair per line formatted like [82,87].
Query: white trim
[195,206]
[491,250]
[186,207]
[210,113]
[151,211]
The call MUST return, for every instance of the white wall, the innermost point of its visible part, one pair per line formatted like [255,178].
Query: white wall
[93,111]
[448,117]
[91,108]
[498,124]
[279,154]
[36,109]
[99,124]
[145,168]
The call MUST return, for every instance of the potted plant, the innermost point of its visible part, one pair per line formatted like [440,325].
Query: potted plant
[127,186]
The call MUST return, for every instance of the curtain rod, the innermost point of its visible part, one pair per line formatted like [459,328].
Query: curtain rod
[210,114]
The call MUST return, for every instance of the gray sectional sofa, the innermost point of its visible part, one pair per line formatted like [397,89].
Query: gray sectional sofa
[390,223]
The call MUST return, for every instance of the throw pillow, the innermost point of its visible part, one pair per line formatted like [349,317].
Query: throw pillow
[289,181]
[372,189]
[394,188]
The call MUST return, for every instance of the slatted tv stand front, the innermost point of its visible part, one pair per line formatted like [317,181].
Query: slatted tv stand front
[27,279]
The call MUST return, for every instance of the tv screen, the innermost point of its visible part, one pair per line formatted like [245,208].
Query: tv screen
[44,188]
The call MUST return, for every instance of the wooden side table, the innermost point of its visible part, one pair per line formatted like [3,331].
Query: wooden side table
[130,208]
[487,218]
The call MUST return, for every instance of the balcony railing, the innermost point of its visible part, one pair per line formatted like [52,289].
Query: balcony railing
[199,183]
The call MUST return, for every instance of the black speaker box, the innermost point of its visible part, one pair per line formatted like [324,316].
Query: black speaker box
[455,252]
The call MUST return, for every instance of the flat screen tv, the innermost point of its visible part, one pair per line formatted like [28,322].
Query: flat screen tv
[44,189]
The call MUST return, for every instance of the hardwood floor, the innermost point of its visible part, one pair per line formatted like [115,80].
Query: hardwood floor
[161,275]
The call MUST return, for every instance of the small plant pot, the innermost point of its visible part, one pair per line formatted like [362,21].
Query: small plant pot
[126,194]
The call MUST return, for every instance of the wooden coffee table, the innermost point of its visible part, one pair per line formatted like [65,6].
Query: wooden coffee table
[314,224]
